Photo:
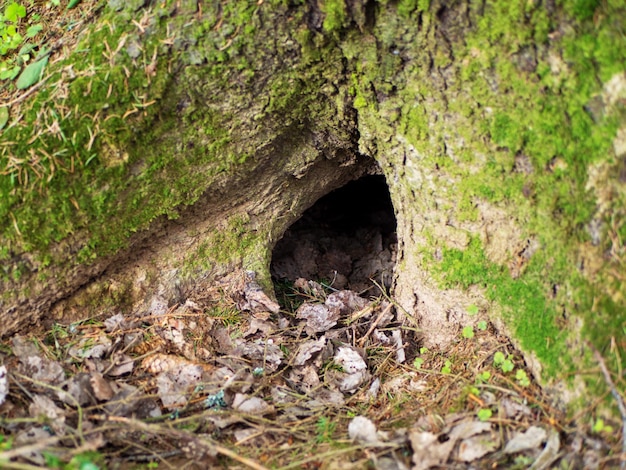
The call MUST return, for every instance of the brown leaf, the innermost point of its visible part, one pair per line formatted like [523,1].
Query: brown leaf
[101,387]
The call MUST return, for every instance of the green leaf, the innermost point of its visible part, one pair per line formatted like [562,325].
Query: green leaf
[484,414]
[14,12]
[10,74]
[472,310]
[31,74]
[4,116]
[498,358]
[418,362]
[16,40]
[599,426]
[468,332]
[447,367]
[33,30]
[507,366]
[72,4]
[88,466]
[482,325]
[484,376]
[43,53]
[522,378]
[26,49]
[52,460]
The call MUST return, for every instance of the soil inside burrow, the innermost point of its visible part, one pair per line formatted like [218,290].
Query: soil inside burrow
[346,240]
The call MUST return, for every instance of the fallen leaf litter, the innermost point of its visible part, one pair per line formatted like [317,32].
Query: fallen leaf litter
[240,380]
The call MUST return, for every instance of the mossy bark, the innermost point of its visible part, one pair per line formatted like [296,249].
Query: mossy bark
[179,140]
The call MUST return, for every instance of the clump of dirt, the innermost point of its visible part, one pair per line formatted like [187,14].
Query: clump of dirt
[347,240]
[227,377]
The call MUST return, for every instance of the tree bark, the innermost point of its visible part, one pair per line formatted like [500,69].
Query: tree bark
[176,142]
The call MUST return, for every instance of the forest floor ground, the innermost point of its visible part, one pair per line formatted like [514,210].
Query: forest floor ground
[328,379]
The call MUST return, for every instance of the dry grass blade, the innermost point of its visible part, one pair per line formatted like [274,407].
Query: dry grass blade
[177,434]
[618,399]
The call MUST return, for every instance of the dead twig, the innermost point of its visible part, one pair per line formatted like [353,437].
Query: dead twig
[161,430]
[375,324]
[26,94]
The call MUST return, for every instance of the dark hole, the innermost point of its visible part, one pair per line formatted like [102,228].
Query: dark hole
[346,240]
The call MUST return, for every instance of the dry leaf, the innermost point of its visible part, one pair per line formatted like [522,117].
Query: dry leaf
[4,384]
[101,388]
[319,317]
[307,349]
[251,405]
[532,438]
[362,430]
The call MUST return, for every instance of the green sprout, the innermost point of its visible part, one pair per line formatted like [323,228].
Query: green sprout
[325,429]
[522,378]
[502,362]
[599,426]
[483,376]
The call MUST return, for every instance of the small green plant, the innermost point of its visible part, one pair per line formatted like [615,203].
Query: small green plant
[423,350]
[483,377]
[468,332]
[523,461]
[332,365]
[447,367]
[502,362]
[85,461]
[484,414]
[599,427]
[5,442]
[10,38]
[418,362]
[482,325]
[522,378]
[52,461]
[325,430]
[227,316]
[472,310]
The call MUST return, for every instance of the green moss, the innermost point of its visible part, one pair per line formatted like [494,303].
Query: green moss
[582,9]
[549,124]
[509,103]
[119,160]
[406,7]
[523,301]
[310,52]
[336,16]
[231,243]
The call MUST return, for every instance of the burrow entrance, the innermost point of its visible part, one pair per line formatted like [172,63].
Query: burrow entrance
[346,240]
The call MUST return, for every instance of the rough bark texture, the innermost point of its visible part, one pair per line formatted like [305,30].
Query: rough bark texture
[181,146]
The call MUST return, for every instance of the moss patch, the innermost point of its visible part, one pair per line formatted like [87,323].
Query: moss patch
[503,114]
